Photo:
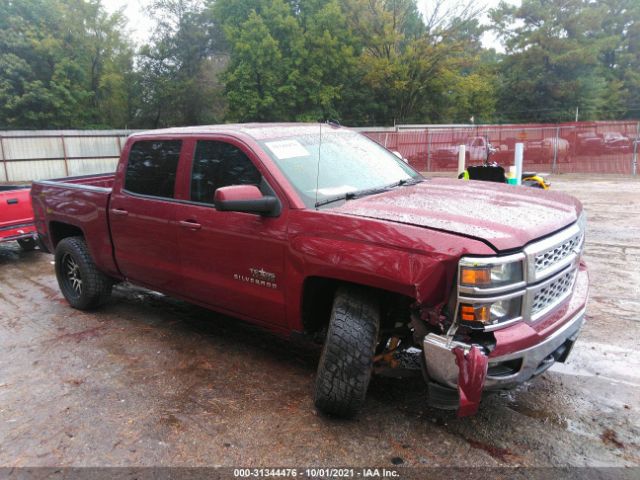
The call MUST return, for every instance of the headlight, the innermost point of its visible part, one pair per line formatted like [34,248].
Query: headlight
[485,314]
[478,273]
[490,290]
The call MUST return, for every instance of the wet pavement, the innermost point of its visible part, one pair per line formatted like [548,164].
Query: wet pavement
[152,381]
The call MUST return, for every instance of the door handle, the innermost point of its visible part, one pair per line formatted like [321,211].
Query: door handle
[119,212]
[12,201]
[192,224]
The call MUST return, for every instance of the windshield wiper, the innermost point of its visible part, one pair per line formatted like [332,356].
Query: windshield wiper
[367,191]
[337,198]
[405,182]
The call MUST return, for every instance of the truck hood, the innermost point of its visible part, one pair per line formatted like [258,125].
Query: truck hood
[505,216]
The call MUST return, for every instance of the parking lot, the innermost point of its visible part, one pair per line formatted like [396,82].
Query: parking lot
[148,380]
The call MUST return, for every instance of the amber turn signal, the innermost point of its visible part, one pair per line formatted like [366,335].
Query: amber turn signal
[476,276]
[475,313]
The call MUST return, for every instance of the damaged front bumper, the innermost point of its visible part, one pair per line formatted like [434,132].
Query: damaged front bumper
[459,373]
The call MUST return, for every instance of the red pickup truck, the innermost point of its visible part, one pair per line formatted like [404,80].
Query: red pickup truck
[16,216]
[317,231]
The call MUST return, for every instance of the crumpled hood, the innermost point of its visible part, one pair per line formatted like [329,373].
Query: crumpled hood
[506,216]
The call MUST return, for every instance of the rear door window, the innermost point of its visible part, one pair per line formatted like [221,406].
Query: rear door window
[219,164]
[152,167]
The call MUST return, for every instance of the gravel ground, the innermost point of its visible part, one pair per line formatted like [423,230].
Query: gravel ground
[153,381]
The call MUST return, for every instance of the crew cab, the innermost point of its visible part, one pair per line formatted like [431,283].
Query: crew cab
[315,232]
[16,216]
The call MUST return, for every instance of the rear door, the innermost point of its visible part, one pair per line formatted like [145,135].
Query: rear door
[230,260]
[142,214]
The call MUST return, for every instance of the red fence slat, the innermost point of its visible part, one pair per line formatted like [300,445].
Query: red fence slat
[581,147]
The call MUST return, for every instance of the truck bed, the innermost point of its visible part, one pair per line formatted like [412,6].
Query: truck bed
[103,180]
[80,203]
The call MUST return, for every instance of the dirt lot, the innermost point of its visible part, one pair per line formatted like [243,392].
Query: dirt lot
[153,381]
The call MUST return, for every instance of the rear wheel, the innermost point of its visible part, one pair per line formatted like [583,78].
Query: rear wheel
[82,284]
[346,362]
[27,244]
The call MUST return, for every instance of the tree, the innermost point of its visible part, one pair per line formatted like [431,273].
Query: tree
[288,60]
[358,61]
[178,71]
[416,69]
[62,64]
[266,49]
[552,63]
[619,45]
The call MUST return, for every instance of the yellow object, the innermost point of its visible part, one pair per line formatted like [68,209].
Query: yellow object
[478,313]
[539,180]
[475,275]
[468,313]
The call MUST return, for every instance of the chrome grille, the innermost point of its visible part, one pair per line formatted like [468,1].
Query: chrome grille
[553,293]
[551,257]
[553,254]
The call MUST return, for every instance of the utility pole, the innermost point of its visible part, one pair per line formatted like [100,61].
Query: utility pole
[577,110]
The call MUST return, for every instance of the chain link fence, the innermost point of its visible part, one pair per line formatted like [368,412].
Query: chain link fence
[594,147]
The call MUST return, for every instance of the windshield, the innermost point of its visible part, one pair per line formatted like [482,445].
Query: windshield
[349,163]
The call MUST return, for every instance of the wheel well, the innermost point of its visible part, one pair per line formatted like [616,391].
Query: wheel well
[59,230]
[317,301]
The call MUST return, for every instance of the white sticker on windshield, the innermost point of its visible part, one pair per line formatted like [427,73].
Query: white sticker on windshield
[287,149]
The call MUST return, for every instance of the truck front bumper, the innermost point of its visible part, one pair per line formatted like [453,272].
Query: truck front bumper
[505,371]
[522,351]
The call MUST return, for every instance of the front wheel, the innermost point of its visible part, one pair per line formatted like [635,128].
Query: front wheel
[346,362]
[82,284]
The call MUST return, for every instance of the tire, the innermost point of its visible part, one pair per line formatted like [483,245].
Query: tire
[346,362]
[82,284]
[27,244]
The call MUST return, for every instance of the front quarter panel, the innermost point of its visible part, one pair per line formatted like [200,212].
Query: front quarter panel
[412,261]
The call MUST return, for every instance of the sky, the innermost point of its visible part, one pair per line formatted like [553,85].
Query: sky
[141,25]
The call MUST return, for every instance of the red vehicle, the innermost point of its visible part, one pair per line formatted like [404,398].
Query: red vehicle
[615,142]
[16,216]
[317,231]
[589,143]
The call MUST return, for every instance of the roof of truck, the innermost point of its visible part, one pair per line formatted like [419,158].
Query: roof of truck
[258,131]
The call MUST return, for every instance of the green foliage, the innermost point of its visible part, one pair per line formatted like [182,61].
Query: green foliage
[178,71]
[562,55]
[67,63]
[62,64]
[289,61]
[358,61]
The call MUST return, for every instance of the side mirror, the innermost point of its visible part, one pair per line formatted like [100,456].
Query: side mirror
[244,198]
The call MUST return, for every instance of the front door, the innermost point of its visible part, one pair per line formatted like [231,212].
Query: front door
[230,260]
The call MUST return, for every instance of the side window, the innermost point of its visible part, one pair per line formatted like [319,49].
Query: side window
[152,167]
[219,164]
